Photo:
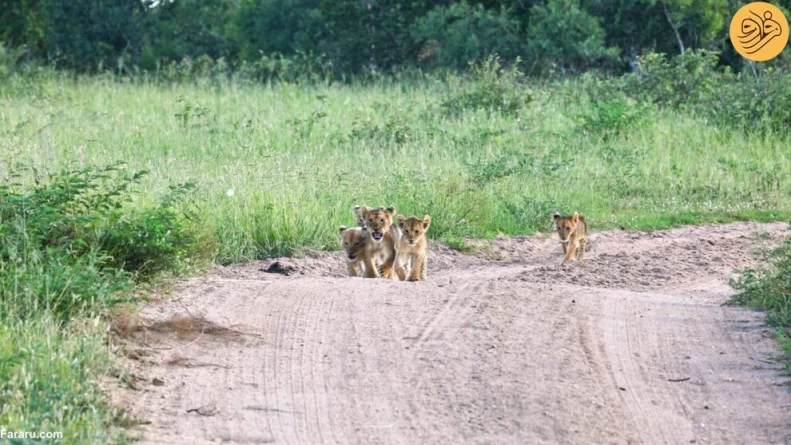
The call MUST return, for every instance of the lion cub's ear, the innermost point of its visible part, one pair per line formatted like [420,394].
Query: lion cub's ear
[426,222]
[390,210]
[401,221]
[575,217]
[556,216]
[341,229]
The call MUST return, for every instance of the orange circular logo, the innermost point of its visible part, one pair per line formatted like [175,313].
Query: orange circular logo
[759,31]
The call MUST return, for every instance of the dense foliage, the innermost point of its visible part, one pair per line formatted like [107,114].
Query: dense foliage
[354,36]
[70,245]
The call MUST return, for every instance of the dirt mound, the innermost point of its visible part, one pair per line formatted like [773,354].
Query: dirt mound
[503,345]
[660,260]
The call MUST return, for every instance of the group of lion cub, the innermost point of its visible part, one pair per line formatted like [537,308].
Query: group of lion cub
[380,248]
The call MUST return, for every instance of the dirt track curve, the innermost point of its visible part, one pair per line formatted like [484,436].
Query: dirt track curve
[503,346]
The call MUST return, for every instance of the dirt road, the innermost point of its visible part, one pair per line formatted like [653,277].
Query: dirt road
[503,346]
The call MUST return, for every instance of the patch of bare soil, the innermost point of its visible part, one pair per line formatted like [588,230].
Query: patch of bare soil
[505,345]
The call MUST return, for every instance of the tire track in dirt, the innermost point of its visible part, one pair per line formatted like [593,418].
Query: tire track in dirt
[517,350]
[630,378]
[329,394]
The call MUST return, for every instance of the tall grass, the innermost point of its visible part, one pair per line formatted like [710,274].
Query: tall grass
[296,158]
[767,288]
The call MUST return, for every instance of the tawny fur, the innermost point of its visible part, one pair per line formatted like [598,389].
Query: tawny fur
[412,248]
[358,215]
[382,238]
[353,241]
[573,233]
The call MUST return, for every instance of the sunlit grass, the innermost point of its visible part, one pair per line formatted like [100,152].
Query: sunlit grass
[297,158]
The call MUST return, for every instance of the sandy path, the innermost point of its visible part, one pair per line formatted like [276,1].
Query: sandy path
[631,347]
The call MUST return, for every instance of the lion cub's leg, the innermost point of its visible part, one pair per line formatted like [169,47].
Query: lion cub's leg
[565,247]
[400,262]
[570,251]
[371,271]
[387,266]
[352,268]
[417,267]
[583,247]
[423,267]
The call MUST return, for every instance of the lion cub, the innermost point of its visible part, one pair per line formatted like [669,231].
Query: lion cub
[382,238]
[573,232]
[353,241]
[412,247]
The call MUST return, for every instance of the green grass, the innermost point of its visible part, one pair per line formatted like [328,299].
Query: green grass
[297,158]
[51,380]
[768,288]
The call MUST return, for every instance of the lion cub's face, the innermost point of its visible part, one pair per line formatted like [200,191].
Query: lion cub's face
[566,225]
[353,241]
[378,221]
[413,229]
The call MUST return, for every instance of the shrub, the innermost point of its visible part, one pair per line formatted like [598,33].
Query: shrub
[69,244]
[454,35]
[689,78]
[491,87]
[753,104]
[768,288]
[154,240]
[694,83]
[563,37]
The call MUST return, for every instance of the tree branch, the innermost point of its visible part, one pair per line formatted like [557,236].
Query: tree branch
[675,28]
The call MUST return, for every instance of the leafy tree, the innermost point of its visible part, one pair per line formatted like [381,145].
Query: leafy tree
[192,28]
[86,34]
[452,36]
[21,24]
[668,26]
[361,35]
[278,26]
[563,36]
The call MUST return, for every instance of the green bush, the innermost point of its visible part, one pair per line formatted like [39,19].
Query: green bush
[563,37]
[454,35]
[490,87]
[768,288]
[693,82]
[754,104]
[687,79]
[69,245]
[154,240]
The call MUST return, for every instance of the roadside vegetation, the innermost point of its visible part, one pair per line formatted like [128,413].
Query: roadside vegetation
[72,248]
[279,165]
[767,288]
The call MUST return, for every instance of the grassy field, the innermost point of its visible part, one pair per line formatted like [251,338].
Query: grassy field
[278,168]
[295,159]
